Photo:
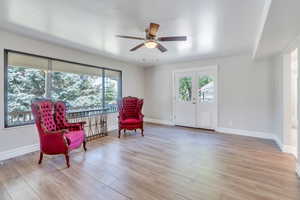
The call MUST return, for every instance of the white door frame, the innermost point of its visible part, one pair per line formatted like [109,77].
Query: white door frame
[207,67]
[286,98]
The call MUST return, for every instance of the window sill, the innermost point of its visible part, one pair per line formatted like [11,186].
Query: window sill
[18,127]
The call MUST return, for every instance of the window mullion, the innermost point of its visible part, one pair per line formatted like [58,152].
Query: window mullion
[103,88]
[48,79]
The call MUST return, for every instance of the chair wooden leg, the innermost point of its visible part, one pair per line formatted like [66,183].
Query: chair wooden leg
[67,159]
[142,132]
[119,133]
[84,145]
[41,157]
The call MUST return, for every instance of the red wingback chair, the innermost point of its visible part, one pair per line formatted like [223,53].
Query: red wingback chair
[130,114]
[57,136]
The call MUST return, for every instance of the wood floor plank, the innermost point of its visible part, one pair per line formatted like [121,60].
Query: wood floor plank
[4,195]
[89,183]
[15,185]
[169,163]
[41,179]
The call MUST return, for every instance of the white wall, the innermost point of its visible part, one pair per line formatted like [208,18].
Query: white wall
[133,79]
[282,94]
[277,63]
[285,138]
[245,92]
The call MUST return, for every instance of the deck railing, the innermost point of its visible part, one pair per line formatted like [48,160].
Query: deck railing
[94,116]
[17,118]
[96,121]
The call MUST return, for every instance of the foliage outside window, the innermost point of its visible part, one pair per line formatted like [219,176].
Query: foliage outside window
[112,88]
[79,86]
[76,90]
[206,89]
[185,89]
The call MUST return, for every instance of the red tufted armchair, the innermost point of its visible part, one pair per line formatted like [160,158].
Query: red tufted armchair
[57,136]
[130,114]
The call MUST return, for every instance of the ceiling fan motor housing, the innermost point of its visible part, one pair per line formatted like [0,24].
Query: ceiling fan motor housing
[148,35]
[150,41]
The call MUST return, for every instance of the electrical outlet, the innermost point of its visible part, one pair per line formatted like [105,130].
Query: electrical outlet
[230,123]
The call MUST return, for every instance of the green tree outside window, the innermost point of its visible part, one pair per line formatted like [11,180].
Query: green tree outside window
[185,89]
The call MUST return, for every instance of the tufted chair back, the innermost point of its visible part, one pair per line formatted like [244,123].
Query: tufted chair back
[43,114]
[130,107]
[130,114]
[60,114]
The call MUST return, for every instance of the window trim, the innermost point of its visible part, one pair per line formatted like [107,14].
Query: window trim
[7,51]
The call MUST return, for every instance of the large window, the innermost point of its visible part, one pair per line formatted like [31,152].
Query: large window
[81,87]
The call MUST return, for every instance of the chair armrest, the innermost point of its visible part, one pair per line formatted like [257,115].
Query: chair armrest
[75,126]
[141,116]
[59,132]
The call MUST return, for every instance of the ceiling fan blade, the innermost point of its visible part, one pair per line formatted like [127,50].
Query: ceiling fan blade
[153,29]
[130,37]
[136,47]
[161,48]
[173,38]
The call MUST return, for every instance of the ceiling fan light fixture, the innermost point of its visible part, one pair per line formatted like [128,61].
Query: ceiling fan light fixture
[150,44]
[151,41]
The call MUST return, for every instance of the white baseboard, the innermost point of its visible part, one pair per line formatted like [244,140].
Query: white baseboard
[286,148]
[4,155]
[158,121]
[298,169]
[256,134]
[278,142]
[112,128]
[290,149]
[263,135]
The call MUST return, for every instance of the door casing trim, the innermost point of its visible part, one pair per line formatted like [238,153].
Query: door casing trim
[203,68]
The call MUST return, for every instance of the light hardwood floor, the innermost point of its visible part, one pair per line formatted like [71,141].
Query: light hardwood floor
[169,163]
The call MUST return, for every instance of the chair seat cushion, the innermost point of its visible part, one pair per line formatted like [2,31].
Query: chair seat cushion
[131,121]
[74,138]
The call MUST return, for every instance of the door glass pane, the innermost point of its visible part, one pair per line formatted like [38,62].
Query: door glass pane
[185,89]
[206,89]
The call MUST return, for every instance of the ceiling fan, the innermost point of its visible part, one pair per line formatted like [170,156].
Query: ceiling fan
[151,41]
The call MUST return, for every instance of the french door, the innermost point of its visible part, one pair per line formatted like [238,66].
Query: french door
[195,98]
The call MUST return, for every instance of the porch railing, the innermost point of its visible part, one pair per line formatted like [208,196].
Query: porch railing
[96,121]
[95,118]
[17,118]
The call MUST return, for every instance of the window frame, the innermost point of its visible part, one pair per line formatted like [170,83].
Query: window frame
[50,59]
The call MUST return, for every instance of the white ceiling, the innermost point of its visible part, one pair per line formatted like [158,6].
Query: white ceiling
[214,27]
[280,28]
